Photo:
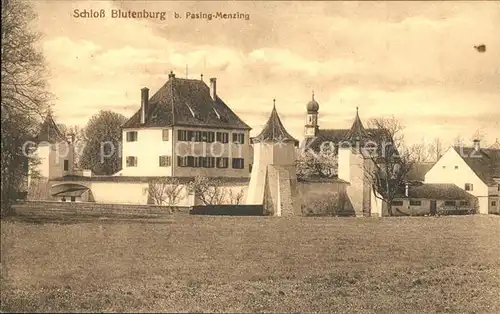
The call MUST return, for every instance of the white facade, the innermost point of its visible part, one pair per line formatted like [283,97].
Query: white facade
[54,160]
[149,144]
[452,169]
[147,148]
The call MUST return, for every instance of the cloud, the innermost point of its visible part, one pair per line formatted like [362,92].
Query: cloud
[408,59]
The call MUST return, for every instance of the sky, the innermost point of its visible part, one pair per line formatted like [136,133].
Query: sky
[415,61]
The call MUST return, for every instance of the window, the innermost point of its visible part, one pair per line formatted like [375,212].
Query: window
[196,136]
[415,203]
[197,162]
[165,161]
[464,203]
[469,187]
[73,198]
[208,162]
[239,138]
[131,161]
[132,136]
[222,162]
[450,203]
[66,165]
[456,167]
[222,137]
[397,203]
[182,135]
[493,203]
[182,161]
[164,134]
[444,167]
[210,137]
[238,163]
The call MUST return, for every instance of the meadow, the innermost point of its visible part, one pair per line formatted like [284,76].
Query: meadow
[253,264]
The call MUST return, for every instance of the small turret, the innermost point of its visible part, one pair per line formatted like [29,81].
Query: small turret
[311,126]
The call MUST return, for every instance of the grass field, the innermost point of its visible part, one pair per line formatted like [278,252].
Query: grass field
[254,264]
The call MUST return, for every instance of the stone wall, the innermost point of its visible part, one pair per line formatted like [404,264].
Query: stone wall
[324,198]
[96,209]
[320,197]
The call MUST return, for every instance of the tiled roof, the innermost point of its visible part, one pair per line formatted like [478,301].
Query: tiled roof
[352,135]
[418,171]
[186,102]
[327,135]
[274,131]
[49,132]
[337,136]
[485,163]
[437,192]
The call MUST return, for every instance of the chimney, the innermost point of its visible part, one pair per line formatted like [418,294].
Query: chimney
[144,103]
[406,189]
[171,75]
[213,88]
[477,145]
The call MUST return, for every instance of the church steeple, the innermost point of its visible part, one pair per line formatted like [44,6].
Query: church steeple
[311,126]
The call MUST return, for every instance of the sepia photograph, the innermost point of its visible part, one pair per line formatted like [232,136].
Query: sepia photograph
[250,156]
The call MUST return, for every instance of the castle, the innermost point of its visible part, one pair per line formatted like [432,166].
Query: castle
[185,130]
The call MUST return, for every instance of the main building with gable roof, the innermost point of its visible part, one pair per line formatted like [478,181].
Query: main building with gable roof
[185,129]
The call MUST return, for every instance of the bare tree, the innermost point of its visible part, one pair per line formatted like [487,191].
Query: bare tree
[209,190]
[23,94]
[310,164]
[421,152]
[165,191]
[390,162]
[236,197]
[435,149]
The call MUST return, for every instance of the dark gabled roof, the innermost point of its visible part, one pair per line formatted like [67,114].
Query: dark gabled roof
[418,171]
[437,192]
[186,102]
[49,132]
[357,132]
[274,131]
[328,135]
[485,163]
[338,136]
